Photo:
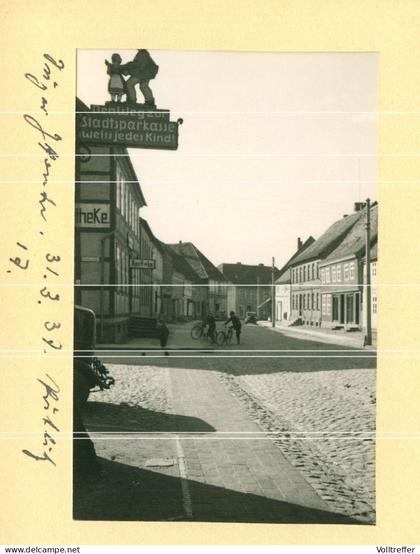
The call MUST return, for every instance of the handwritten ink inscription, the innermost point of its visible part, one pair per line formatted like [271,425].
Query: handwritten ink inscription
[48,140]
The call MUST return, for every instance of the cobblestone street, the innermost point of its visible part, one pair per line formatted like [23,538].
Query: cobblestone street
[230,435]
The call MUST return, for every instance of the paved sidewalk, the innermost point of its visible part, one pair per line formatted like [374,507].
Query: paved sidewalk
[240,459]
[354,339]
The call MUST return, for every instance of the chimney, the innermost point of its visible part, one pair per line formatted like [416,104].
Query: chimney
[180,242]
[300,244]
[359,206]
[345,215]
[238,263]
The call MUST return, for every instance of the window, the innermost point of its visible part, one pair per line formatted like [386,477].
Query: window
[313,271]
[327,275]
[322,275]
[374,304]
[304,273]
[346,272]
[328,304]
[333,274]
[338,274]
[123,194]
[118,264]
[374,269]
[324,303]
[313,301]
[351,271]
[317,301]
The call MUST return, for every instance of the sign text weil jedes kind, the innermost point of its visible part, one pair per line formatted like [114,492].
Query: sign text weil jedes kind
[129,128]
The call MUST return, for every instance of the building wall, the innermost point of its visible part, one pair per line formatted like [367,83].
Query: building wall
[306,293]
[107,235]
[374,294]
[157,279]
[341,298]
[249,298]
[283,307]
[217,298]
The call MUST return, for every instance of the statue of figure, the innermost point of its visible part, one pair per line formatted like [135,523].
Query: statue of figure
[141,70]
[116,84]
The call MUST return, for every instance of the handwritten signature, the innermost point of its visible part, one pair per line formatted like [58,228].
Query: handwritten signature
[50,396]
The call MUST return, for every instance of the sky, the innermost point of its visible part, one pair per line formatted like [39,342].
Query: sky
[258,165]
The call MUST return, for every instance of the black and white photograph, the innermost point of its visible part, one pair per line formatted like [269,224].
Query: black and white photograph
[225,300]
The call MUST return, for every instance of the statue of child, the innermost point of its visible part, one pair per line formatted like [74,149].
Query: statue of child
[116,84]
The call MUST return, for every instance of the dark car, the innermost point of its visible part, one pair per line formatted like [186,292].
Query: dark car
[250,317]
[88,373]
[93,371]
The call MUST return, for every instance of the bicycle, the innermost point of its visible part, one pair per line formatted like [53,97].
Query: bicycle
[199,330]
[225,336]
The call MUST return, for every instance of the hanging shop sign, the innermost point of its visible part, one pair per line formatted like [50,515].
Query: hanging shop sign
[128,128]
[138,263]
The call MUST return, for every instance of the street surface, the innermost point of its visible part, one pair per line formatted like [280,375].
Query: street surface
[277,430]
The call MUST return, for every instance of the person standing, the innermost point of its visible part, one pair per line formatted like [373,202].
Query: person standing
[236,324]
[211,332]
[141,70]
[163,332]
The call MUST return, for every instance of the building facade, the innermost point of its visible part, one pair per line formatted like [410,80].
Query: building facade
[284,286]
[307,289]
[211,294]
[343,278]
[107,236]
[249,289]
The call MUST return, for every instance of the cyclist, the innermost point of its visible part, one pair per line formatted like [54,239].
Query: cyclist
[236,324]
[211,322]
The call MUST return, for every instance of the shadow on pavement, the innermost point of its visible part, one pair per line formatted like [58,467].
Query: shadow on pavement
[253,363]
[125,417]
[127,493]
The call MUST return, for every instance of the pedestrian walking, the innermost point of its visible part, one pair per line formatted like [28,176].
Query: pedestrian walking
[236,324]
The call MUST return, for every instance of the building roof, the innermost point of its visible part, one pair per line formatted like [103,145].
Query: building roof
[145,225]
[285,273]
[201,265]
[329,240]
[181,265]
[354,243]
[243,274]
